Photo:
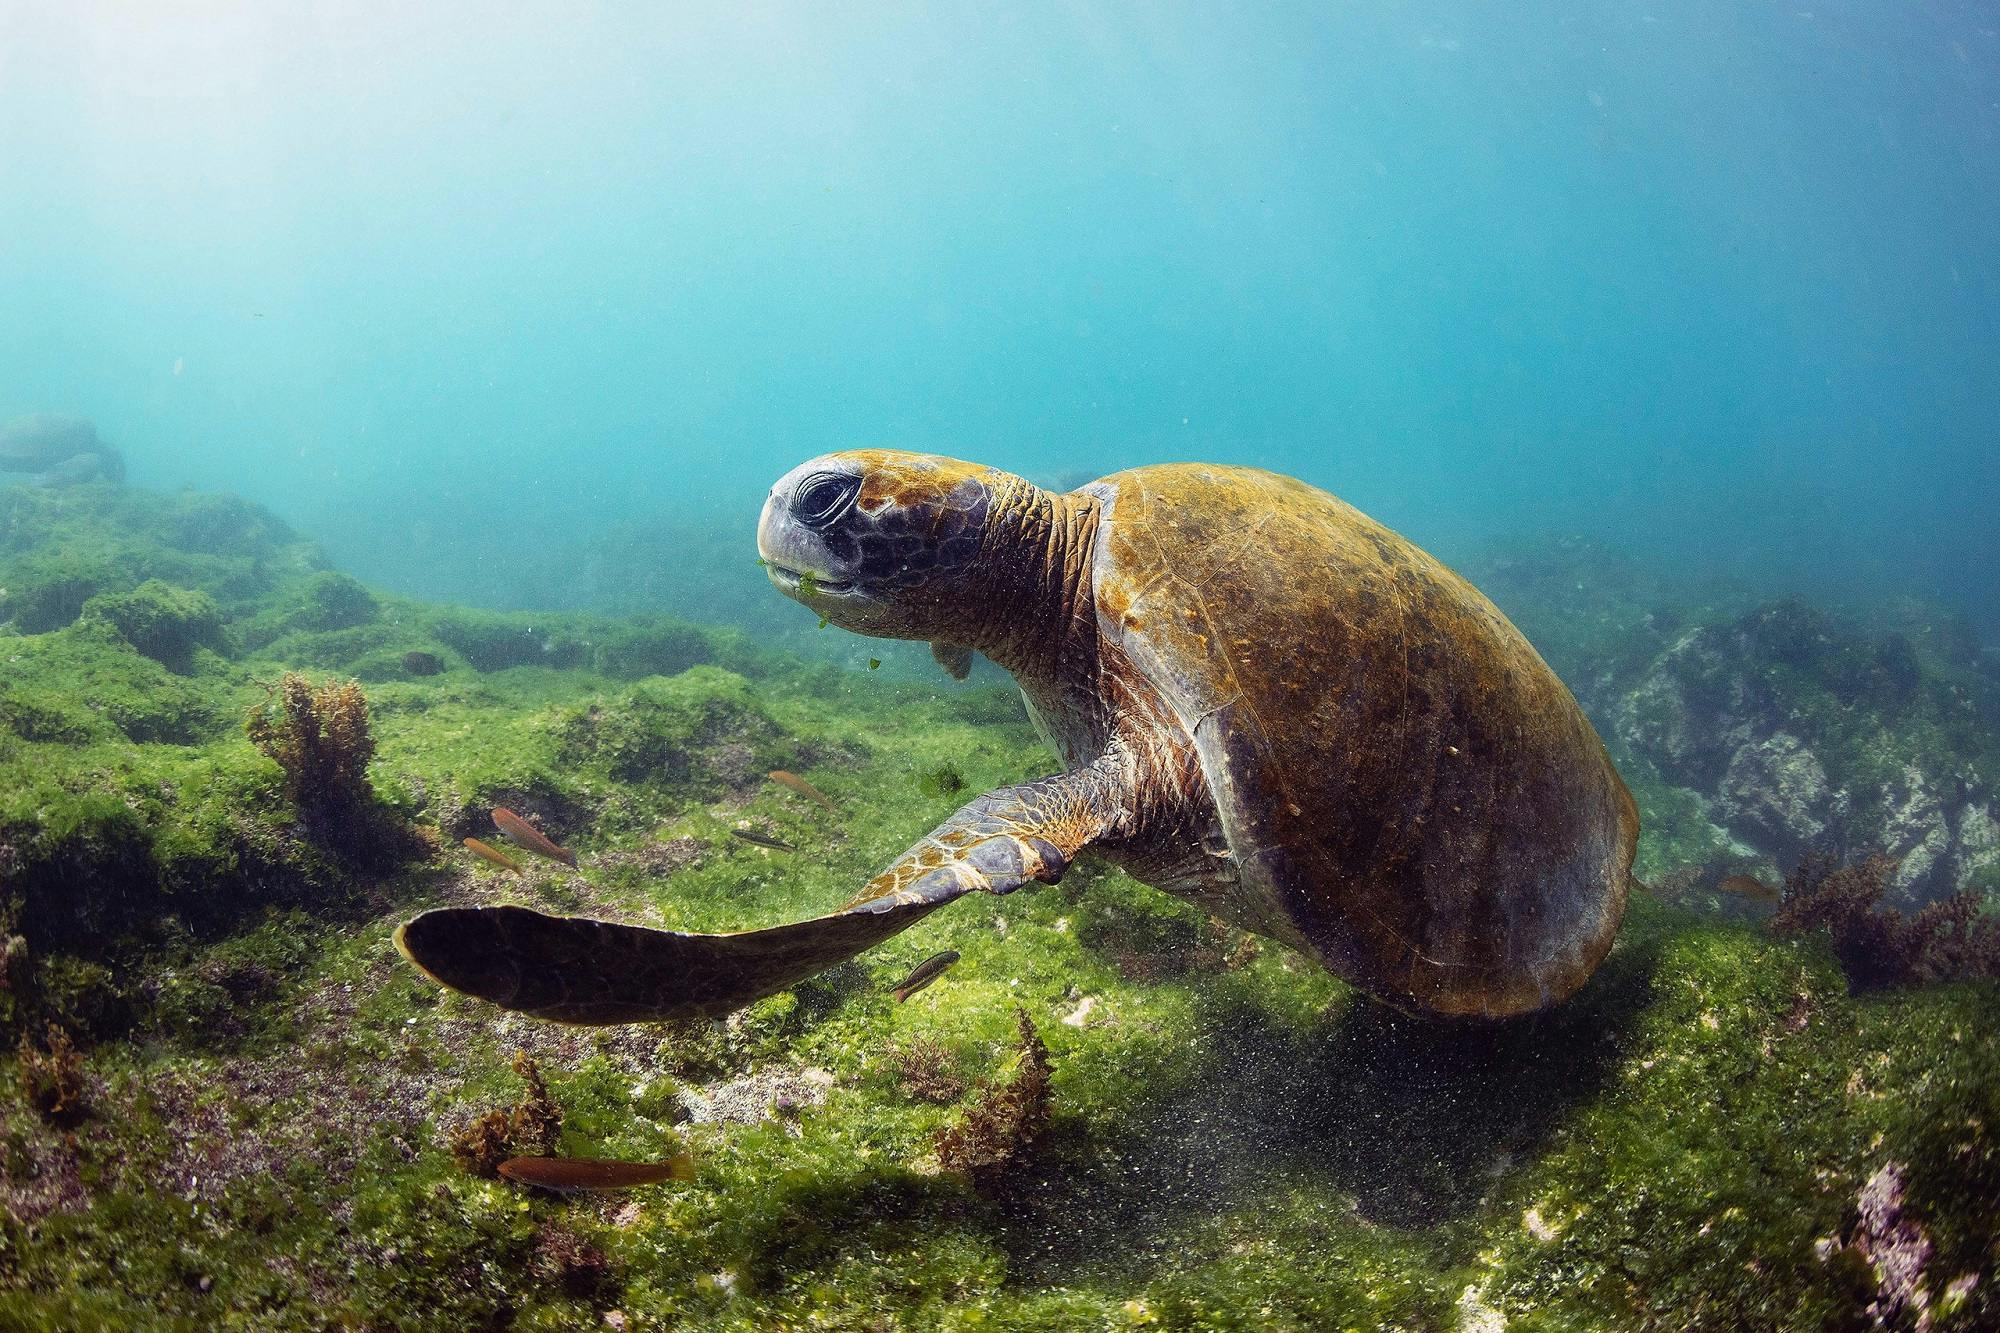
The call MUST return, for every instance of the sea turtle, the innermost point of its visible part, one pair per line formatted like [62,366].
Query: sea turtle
[1266,703]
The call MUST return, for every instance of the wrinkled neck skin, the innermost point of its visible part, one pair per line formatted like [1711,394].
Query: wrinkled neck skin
[1034,614]
[1037,617]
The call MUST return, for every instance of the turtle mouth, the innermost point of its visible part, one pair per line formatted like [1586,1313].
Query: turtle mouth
[805,581]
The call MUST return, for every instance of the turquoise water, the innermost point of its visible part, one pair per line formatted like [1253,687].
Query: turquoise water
[456,292]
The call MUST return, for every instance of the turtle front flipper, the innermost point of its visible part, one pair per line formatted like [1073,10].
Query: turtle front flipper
[1001,840]
[574,969]
[579,970]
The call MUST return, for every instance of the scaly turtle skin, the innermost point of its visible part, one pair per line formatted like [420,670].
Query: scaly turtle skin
[1267,702]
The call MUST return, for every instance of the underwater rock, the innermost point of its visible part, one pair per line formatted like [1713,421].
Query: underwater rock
[1893,1243]
[81,469]
[733,763]
[38,600]
[1976,839]
[493,641]
[704,728]
[329,601]
[59,450]
[1776,789]
[1799,732]
[1915,829]
[1774,728]
[163,622]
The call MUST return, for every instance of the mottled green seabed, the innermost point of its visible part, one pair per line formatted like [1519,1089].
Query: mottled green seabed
[1235,1140]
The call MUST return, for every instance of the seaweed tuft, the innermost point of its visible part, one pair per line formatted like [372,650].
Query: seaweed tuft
[1878,948]
[996,1131]
[52,1077]
[529,1128]
[924,1070]
[320,736]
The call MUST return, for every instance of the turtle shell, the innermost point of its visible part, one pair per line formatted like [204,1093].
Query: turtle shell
[1405,788]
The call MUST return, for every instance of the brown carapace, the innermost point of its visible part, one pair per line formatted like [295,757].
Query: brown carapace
[1264,701]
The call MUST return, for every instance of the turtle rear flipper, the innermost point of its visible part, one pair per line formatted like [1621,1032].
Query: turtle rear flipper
[575,969]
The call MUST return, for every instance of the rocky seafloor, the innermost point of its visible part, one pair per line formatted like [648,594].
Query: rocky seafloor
[229,1103]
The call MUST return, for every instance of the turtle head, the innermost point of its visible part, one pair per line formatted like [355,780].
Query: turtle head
[882,542]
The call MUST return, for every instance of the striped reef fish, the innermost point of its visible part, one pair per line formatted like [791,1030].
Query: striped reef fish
[751,835]
[925,973]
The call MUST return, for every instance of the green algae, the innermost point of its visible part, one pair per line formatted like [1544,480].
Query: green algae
[165,623]
[1236,1140]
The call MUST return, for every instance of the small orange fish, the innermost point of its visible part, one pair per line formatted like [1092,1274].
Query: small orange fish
[805,789]
[526,836]
[1749,886]
[567,1175]
[488,853]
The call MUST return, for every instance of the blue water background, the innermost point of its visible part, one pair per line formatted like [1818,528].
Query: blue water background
[457,286]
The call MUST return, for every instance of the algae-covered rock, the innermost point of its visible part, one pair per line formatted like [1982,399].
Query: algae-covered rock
[45,594]
[57,544]
[88,682]
[623,649]
[1765,730]
[316,604]
[1776,790]
[330,600]
[1810,734]
[163,622]
[493,641]
[703,727]
[650,646]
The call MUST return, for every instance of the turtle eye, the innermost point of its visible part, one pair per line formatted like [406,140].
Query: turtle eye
[824,497]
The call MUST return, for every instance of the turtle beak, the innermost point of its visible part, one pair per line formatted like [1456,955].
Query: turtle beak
[795,558]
